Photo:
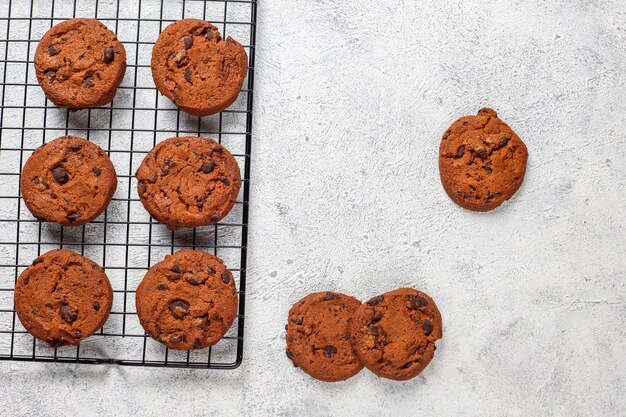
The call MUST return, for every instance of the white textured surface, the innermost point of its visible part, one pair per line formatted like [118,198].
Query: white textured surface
[351,101]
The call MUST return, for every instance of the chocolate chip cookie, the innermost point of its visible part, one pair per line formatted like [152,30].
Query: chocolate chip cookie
[317,336]
[196,68]
[80,63]
[482,162]
[188,182]
[188,300]
[63,297]
[68,180]
[394,334]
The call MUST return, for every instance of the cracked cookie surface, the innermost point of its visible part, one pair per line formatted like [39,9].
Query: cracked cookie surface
[196,68]
[482,162]
[188,300]
[63,297]
[68,180]
[317,336]
[394,334]
[80,63]
[188,182]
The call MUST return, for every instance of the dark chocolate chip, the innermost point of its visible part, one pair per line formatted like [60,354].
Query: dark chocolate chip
[96,305]
[109,55]
[53,196]
[487,169]
[72,216]
[225,277]
[37,261]
[88,82]
[208,167]
[329,296]
[26,281]
[210,35]
[188,75]
[96,171]
[213,218]
[427,327]
[164,171]
[377,316]
[197,343]
[162,287]
[68,313]
[481,153]
[491,197]
[51,74]
[152,180]
[296,321]
[417,301]
[182,61]
[330,350]
[204,323]
[374,331]
[175,268]
[44,183]
[179,309]
[376,300]
[460,151]
[408,364]
[218,149]
[225,180]
[52,51]
[60,175]
[175,339]
[75,148]
[173,278]
[142,187]
[188,42]
[36,180]
[287,352]
[195,281]
[211,270]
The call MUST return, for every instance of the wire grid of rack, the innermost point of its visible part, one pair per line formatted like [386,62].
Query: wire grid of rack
[124,239]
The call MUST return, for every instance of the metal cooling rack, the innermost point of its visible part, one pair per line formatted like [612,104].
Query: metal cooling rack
[124,240]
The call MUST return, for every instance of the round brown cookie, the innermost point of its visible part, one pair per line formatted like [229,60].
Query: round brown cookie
[79,63]
[317,336]
[481,161]
[394,334]
[188,300]
[69,181]
[63,297]
[188,182]
[196,68]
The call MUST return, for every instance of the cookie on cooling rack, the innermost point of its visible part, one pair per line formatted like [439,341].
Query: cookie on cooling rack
[69,181]
[63,297]
[317,336]
[196,68]
[482,162]
[188,182]
[188,300]
[80,63]
[394,334]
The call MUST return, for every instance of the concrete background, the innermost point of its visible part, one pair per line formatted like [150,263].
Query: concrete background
[351,100]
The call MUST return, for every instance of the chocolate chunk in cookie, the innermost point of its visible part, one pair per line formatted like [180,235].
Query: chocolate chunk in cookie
[80,63]
[184,301]
[394,336]
[63,297]
[317,336]
[69,181]
[198,70]
[482,162]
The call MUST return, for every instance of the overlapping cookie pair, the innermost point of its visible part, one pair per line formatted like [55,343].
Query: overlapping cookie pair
[80,63]
[332,336]
[186,301]
[182,182]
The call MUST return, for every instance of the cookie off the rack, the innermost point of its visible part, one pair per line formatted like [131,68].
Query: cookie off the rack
[69,181]
[188,300]
[80,63]
[394,333]
[63,297]
[201,72]
[482,162]
[317,336]
[188,182]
